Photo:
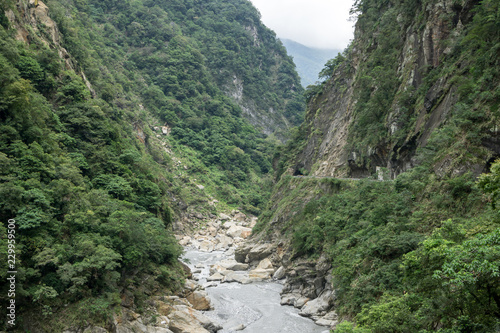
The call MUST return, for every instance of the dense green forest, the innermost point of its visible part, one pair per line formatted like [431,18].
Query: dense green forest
[133,114]
[86,172]
[421,252]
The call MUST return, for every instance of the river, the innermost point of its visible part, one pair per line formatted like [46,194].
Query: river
[255,306]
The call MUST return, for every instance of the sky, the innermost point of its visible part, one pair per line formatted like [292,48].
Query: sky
[315,23]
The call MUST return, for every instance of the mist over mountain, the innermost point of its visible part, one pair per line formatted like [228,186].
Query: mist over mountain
[309,60]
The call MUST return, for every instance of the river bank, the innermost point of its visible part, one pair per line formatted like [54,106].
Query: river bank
[225,258]
[234,283]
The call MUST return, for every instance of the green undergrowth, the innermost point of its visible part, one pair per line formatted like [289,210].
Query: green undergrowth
[404,253]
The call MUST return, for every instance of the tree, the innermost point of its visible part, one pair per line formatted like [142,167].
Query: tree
[490,183]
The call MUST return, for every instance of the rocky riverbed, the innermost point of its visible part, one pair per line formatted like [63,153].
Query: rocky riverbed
[233,259]
[236,283]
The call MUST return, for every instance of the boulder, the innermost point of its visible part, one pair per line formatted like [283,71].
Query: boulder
[229,224]
[289,299]
[186,270]
[186,240]
[319,305]
[187,320]
[240,217]
[215,277]
[299,303]
[191,285]
[280,273]
[330,320]
[162,321]
[238,231]
[265,264]
[184,322]
[246,233]
[216,268]
[163,308]
[130,327]
[240,327]
[259,252]
[223,242]
[224,217]
[199,299]
[240,254]
[257,275]
[233,265]
[239,277]
[206,246]
[206,322]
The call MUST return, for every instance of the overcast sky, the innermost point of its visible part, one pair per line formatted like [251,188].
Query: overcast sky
[316,23]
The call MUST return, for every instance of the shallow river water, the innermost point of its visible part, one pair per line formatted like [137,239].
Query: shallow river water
[256,305]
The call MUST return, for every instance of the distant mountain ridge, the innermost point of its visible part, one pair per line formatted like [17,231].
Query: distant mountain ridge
[309,61]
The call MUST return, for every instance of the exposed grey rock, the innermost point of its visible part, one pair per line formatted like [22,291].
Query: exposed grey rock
[265,264]
[330,320]
[289,299]
[299,303]
[257,275]
[259,252]
[240,217]
[233,265]
[240,254]
[319,305]
[280,273]
[223,242]
[215,277]
[199,299]
[238,231]
[240,277]
[185,322]
[207,246]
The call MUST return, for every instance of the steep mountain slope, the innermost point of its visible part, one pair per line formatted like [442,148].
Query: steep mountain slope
[310,61]
[410,114]
[405,83]
[116,129]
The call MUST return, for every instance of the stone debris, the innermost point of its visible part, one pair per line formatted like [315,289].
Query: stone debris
[307,284]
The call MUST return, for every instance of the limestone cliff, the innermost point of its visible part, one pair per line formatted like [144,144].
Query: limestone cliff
[406,76]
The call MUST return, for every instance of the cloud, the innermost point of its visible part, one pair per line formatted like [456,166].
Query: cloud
[316,23]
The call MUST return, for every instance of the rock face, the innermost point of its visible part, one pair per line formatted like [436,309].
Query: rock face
[332,119]
[28,30]
[252,253]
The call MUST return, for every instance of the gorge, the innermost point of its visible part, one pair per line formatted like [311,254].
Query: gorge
[134,131]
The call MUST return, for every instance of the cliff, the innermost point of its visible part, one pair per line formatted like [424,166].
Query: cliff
[377,211]
[414,71]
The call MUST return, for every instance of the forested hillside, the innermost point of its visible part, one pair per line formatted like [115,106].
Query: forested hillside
[120,119]
[410,112]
